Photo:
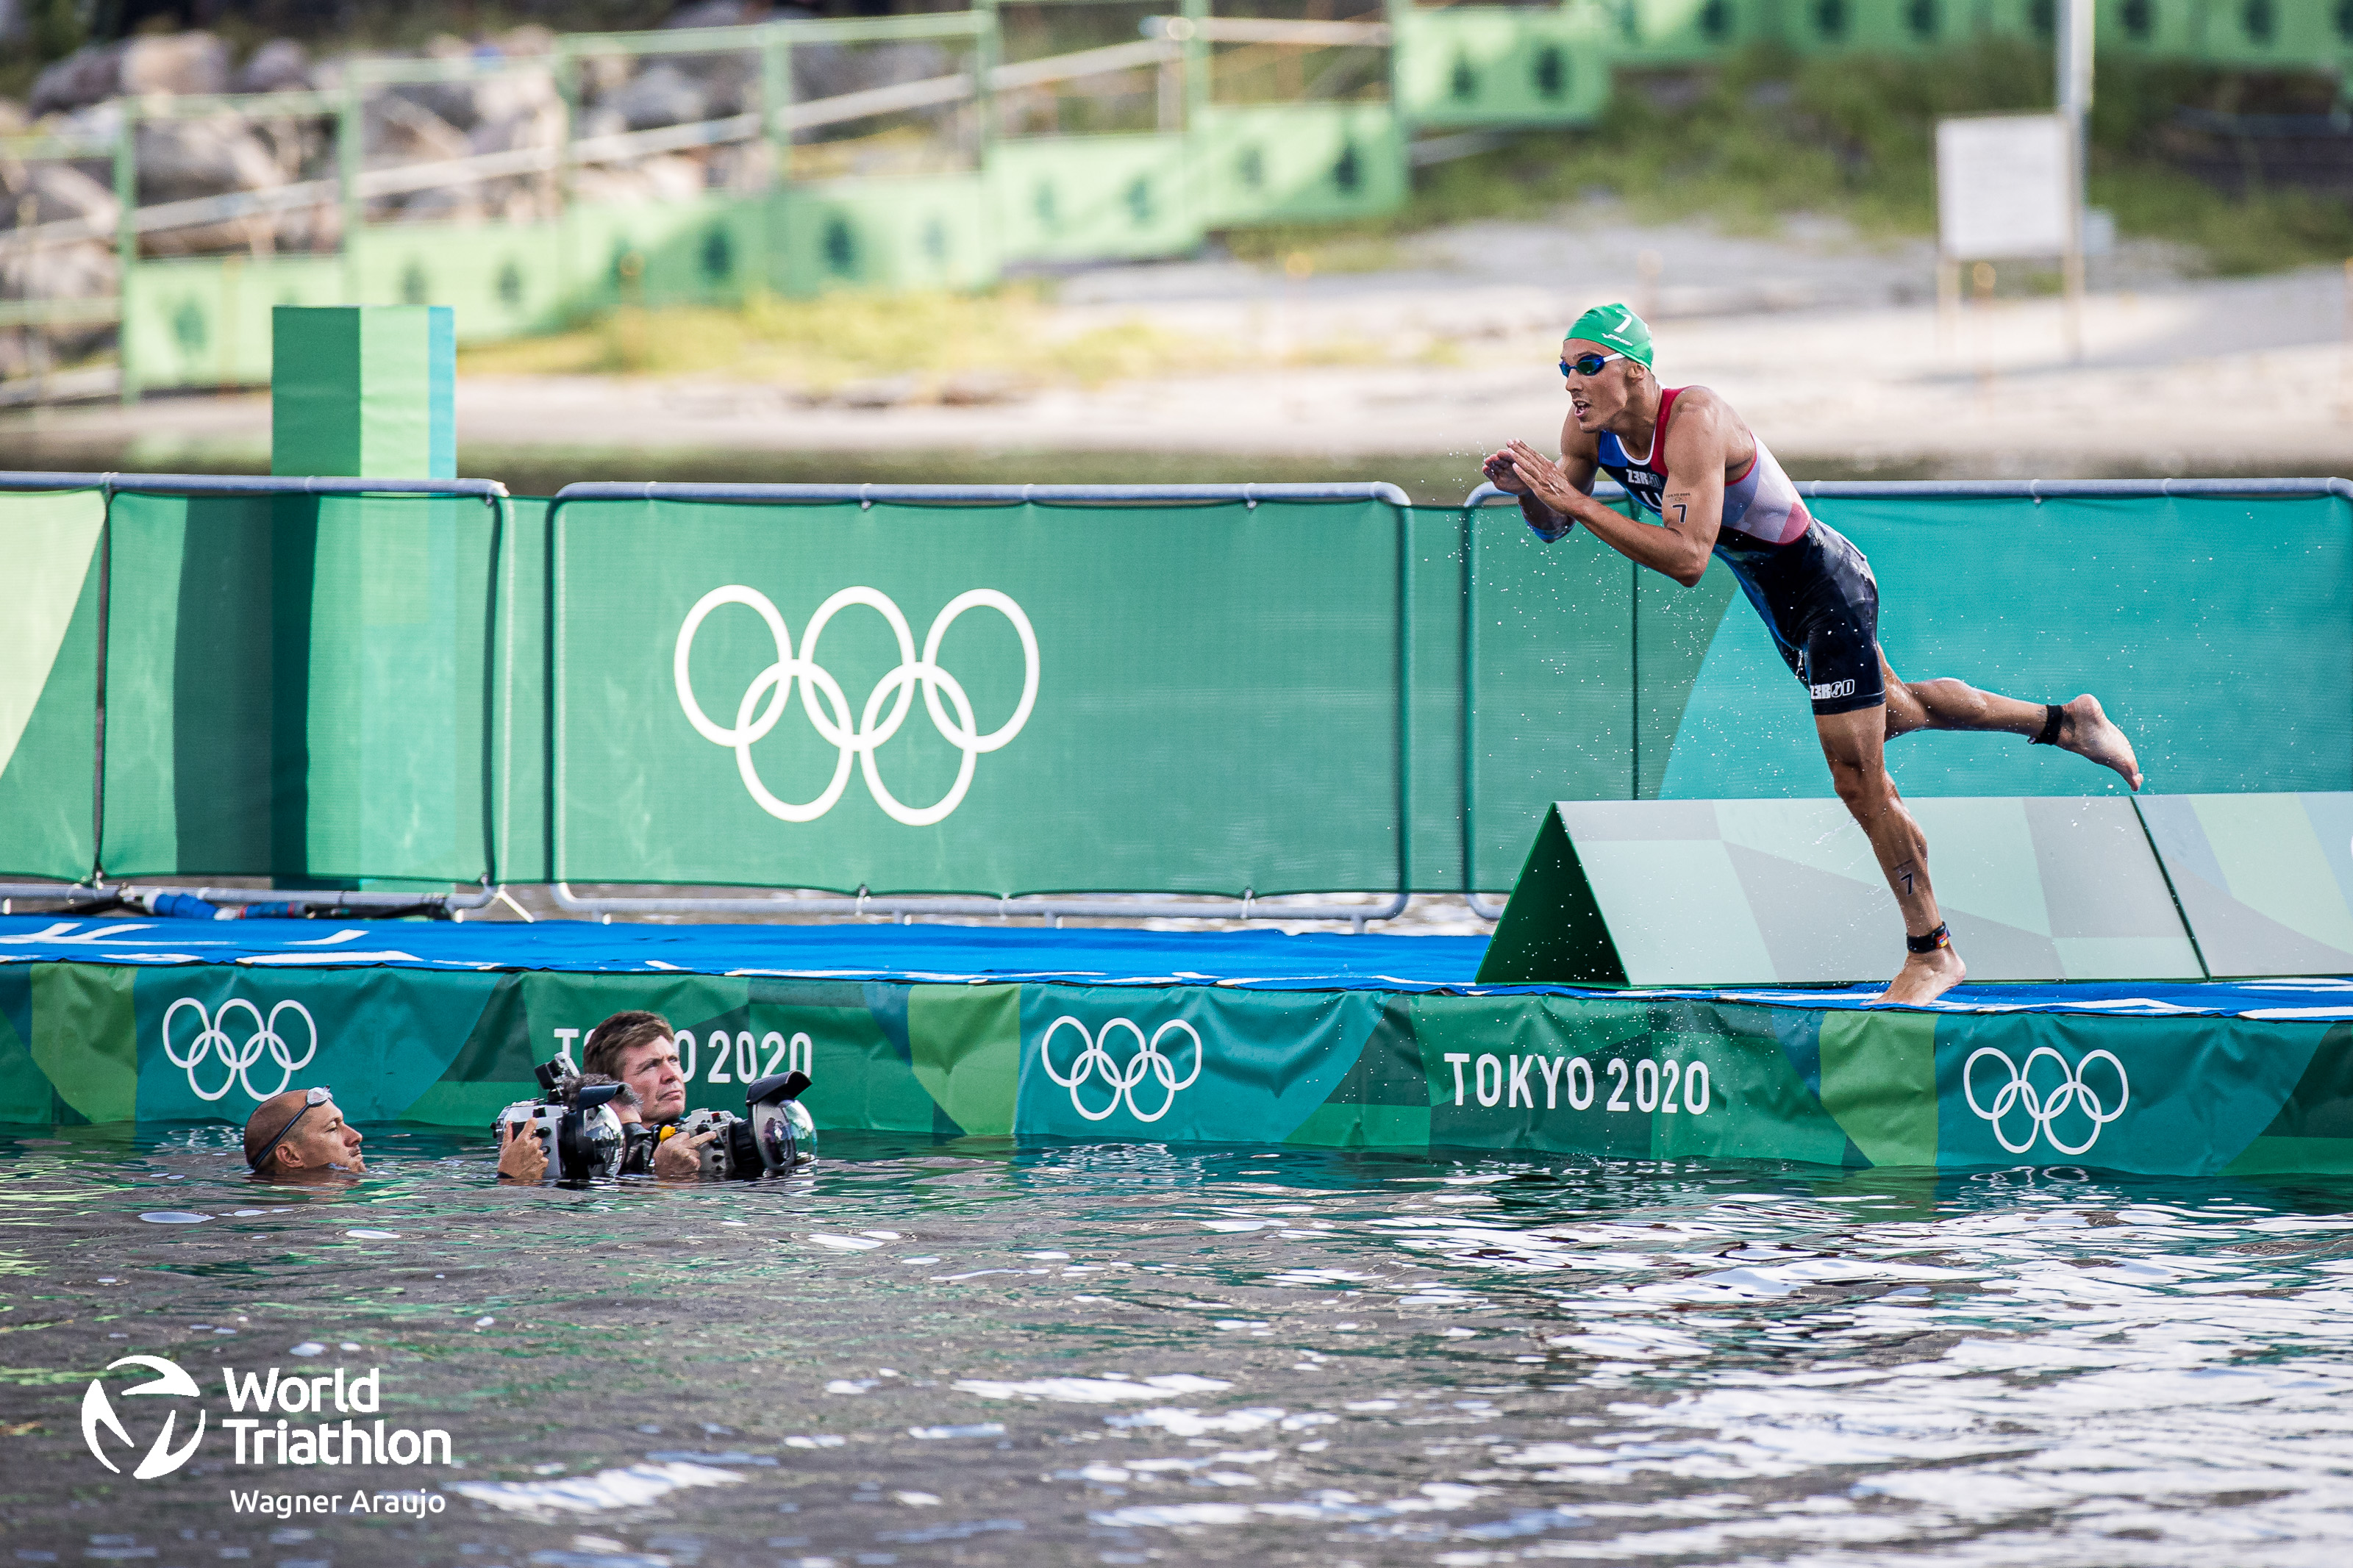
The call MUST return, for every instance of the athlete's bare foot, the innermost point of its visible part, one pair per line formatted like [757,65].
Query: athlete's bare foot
[1926,976]
[2084,730]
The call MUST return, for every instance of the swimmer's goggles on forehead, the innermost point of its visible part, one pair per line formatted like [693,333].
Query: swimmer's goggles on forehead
[1588,365]
[311,1098]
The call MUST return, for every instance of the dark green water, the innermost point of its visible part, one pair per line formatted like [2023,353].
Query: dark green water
[982,1353]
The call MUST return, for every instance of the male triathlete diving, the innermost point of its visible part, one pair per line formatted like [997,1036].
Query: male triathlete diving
[1686,458]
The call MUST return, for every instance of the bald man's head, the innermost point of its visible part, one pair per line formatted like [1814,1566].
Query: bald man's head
[316,1137]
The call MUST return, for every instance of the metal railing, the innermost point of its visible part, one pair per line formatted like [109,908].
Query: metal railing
[1116,906]
[781,119]
[109,484]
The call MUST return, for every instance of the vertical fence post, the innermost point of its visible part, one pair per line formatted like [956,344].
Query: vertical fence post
[98,727]
[1197,62]
[126,241]
[1395,12]
[775,103]
[777,98]
[989,53]
[1404,703]
[1470,700]
[351,147]
[565,64]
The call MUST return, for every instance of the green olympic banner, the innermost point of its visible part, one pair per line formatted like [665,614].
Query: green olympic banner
[299,686]
[983,698]
[1632,1077]
[49,682]
[1225,699]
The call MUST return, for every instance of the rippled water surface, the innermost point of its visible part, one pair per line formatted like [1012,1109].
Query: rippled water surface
[975,1352]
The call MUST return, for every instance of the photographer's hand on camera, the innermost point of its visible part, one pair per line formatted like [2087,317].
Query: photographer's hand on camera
[679,1158]
[523,1159]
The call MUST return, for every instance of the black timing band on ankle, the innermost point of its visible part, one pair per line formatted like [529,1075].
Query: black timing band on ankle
[1941,937]
[2052,713]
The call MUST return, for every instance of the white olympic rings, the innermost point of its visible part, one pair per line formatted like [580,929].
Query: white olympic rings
[2071,1091]
[776,684]
[238,1059]
[1122,1081]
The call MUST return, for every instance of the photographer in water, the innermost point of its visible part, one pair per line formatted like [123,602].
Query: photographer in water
[626,1115]
[595,1115]
[640,1050]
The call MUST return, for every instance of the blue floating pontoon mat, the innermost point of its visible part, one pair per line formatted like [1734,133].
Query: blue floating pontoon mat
[1242,1037]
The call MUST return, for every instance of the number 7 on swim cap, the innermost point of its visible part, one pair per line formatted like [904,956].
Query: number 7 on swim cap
[1615,327]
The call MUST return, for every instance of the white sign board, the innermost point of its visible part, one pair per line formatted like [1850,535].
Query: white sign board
[2002,186]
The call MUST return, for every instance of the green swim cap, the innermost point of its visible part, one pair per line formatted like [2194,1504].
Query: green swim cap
[1616,327]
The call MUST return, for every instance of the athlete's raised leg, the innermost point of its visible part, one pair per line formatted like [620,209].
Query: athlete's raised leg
[2083,727]
[1855,746]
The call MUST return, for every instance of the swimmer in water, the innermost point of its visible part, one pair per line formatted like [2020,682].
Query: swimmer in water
[1687,460]
[300,1135]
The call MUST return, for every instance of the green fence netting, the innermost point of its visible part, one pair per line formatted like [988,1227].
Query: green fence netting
[323,687]
[300,687]
[54,542]
[989,699]
[2217,630]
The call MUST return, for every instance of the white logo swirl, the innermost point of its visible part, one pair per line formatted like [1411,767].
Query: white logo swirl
[1094,1058]
[2070,1092]
[238,1058]
[776,684]
[97,1411]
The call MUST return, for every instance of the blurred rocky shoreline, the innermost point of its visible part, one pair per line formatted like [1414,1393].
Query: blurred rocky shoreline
[209,125]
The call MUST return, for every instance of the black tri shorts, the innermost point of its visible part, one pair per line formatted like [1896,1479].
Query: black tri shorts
[1822,604]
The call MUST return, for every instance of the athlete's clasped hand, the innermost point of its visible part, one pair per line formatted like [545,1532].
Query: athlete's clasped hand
[1524,472]
[1521,471]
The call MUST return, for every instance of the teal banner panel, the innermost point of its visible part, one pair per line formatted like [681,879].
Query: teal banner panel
[2266,880]
[1637,1076]
[1502,65]
[1071,198]
[299,687]
[2218,632]
[519,736]
[54,542]
[1295,163]
[1185,1064]
[995,699]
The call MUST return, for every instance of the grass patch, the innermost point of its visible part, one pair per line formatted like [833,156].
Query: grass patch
[941,341]
[1768,136]
[826,343]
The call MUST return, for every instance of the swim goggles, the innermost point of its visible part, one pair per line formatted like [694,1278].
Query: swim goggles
[311,1097]
[1588,365]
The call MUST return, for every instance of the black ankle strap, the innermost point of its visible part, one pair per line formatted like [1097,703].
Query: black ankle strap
[2052,715]
[1941,937]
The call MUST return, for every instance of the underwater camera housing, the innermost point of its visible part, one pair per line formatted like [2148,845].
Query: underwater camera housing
[575,1122]
[775,1138]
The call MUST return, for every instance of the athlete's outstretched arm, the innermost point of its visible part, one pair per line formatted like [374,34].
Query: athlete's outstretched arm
[1578,466]
[1693,506]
